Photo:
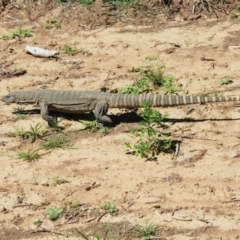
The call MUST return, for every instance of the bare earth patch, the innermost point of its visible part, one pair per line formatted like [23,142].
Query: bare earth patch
[194,195]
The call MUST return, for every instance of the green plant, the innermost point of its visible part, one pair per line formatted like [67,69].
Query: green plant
[134,70]
[213,46]
[45,202]
[5,37]
[122,1]
[107,234]
[151,58]
[65,48]
[34,132]
[55,128]
[110,208]
[53,212]
[211,94]
[150,80]
[94,126]
[72,204]
[145,232]
[30,155]
[38,223]
[150,142]
[139,86]
[206,6]
[85,52]
[86,2]
[57,142]
[59,181]
[97,237]
[169,85]
[225,81]
[21,115]
[18,69]
[235,14]
[69,50]
[204,77]
[19,33]
[52,23]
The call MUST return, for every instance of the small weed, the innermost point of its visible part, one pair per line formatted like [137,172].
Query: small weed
[82,235]
[213,46]
[145,232]
[110,207]
[97,237]
[211,94]
[235,14]
[44,86]
[134,70]
[122,1]
[18,70]
[69,50]
[20,33]
[106,235]
[59,181]
[53,212]
[65,48]
[56,129]
[139,86]
[86,2]
[72,204]
[21,115]
[45,203]
[75,204]
[155,76]
[5,37]
[151,58]
[52,23]
[34,132]
[204,77]
[169,85]
[29,156]
[205,5]
[150,141]
[94,126]
[225,81]
[57,142]
[85,52]
[38,223]
[150,80]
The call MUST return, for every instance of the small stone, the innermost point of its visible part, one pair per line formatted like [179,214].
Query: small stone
[45,183]
[2,209]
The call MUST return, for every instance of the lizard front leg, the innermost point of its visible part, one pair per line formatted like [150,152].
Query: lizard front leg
[52,121]
[100,112]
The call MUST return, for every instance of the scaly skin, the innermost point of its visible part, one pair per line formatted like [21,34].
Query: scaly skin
[99,102]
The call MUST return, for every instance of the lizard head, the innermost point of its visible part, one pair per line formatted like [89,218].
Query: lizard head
[19,97]
[9,98]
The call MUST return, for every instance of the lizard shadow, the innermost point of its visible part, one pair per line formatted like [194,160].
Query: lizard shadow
[126,117]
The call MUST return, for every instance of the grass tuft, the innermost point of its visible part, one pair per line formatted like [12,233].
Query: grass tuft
[57,142]
[150,80]
[29,156]
[19,33]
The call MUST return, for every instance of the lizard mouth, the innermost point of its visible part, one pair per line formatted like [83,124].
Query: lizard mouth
[24,103]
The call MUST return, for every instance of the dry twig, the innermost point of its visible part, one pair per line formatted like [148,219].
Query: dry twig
[162,216]
[12,225]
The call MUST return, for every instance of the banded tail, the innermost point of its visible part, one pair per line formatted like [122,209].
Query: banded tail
[155,100]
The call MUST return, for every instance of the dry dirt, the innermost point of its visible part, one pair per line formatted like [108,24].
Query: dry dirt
[194,195]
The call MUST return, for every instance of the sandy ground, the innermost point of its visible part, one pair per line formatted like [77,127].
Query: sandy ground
[194,195]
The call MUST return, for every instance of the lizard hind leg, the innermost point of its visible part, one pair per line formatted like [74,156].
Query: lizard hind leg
[100,112]
[52,121]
